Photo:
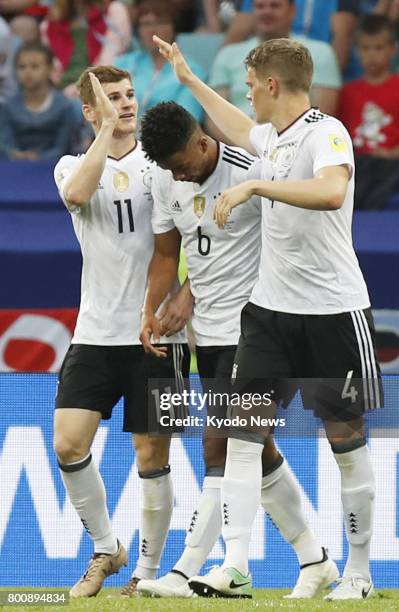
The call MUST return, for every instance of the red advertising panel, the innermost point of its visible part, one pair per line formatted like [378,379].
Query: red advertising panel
[35,340]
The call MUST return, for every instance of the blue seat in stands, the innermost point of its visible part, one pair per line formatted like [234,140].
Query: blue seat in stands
[201,46]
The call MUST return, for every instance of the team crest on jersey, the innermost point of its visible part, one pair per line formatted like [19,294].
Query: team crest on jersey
[282,159]
[337,143]
[199,205]
[121,181]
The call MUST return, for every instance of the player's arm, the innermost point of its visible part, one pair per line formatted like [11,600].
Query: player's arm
[235,124]
[162,274]
[326,191]
[177,311]
[83,181]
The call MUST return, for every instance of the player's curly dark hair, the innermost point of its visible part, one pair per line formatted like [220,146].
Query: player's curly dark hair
[166,129]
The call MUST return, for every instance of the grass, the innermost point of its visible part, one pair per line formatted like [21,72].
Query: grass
[264,599]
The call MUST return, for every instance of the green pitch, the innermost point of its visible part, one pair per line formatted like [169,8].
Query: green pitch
[264,599]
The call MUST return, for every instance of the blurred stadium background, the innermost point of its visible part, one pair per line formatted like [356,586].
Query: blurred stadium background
[42,542]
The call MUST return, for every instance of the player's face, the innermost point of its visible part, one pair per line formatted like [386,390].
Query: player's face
[33,70]
[273,18]
[190,165]
[376,52]
[121,94]
[258,96]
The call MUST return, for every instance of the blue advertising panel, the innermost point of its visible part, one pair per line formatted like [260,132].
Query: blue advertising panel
[43,543]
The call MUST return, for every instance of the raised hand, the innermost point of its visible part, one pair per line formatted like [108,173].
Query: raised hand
[108,112]
[174,56]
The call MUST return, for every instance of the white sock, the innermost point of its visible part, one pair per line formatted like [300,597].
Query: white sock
[281,500]
[357,493]
[86,491]
[156,506]
[240,498]
[205,528]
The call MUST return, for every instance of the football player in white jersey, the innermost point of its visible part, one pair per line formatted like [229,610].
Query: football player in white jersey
[222,269]
[107,191]
[309,313]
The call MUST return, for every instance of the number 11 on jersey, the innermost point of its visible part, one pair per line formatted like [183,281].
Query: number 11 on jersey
[119,208]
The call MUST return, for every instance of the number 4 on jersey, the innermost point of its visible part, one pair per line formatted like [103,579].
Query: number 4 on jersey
[128,203]
[349,392]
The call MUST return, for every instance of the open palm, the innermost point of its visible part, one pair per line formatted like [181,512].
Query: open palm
[174,56]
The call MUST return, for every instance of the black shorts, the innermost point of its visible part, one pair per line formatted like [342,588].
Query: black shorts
[215,361]
[97,377]
[330,358]
[215,365]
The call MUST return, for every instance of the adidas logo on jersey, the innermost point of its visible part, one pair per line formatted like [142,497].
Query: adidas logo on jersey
[176,206]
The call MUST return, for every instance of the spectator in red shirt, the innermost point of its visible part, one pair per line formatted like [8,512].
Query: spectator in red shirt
[81,33]
[369,107]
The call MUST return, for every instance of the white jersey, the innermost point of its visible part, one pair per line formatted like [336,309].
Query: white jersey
[115,235]
[308,265]
[222,264]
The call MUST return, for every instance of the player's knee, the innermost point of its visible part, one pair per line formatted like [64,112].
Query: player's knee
[68,451]
[151,453]
[215,452]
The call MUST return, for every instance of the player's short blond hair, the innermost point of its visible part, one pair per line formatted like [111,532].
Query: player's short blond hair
[286,59]
[105,74]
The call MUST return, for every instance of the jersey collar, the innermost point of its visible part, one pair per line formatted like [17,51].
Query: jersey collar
[298,121]
[125,155]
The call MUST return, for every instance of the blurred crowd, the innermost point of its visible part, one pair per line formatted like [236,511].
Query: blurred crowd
[46,44]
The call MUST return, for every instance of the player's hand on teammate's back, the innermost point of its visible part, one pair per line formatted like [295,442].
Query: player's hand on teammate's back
[174,56]
[175,313]
[150,334]
[228,200]
[104,106]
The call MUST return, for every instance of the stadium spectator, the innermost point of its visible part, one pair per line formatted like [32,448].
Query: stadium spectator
[333,21]
[37,122]
[274,20]
[85,32]
[187,13]
[242,25]
[154,80]
[36,8]
[25,28]
[390,8]
[7,82]
[369,108]
[218,14]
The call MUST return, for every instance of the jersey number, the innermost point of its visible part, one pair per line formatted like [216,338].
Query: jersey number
[204,243]
[349,392]
[128,203]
